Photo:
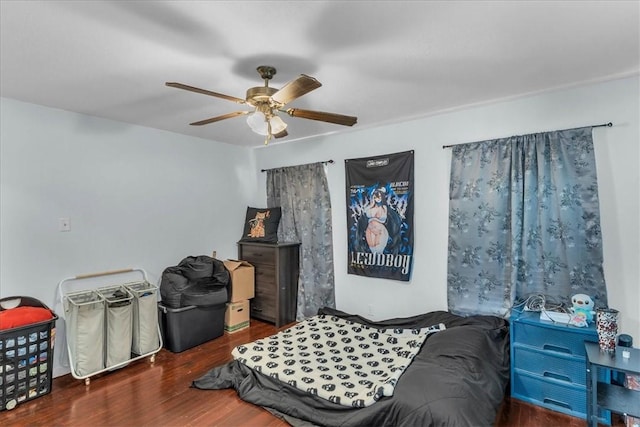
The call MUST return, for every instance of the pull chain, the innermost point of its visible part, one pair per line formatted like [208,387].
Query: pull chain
[268,138]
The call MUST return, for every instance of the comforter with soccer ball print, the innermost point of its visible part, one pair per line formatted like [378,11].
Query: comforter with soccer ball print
[347,363]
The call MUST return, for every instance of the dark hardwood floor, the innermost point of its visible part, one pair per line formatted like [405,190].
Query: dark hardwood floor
[159,394]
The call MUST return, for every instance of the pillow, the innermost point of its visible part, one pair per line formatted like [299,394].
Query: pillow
[261,225]
[21,316]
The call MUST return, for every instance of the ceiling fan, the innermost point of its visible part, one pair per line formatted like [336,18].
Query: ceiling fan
[268,102]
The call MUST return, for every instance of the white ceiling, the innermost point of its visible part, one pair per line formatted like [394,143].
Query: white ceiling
[382,61]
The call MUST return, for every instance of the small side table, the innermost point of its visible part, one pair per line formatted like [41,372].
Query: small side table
[609,396]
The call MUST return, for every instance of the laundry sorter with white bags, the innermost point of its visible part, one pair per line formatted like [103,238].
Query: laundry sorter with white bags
[109,321]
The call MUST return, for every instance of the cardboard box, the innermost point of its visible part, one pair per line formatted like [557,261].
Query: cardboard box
[243,277]
[236,318]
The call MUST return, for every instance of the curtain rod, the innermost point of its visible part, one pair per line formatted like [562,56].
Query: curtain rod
[593,126]
[325,162]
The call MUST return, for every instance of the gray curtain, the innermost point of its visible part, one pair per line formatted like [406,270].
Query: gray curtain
[524,219]
[303,194]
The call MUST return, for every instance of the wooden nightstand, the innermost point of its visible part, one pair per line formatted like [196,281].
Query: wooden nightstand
[276,286]
[548,364]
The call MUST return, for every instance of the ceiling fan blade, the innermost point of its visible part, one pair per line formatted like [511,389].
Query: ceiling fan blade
[218,118]
[338,119]
[205,92]
[281,134]
[295,89]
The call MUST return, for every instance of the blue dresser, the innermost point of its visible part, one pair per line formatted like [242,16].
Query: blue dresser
[548,364]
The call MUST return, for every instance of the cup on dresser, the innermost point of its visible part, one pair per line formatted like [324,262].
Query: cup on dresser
[607,328]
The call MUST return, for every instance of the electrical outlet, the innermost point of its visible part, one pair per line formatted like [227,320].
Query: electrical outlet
[214,254]
[64,224]
[370,310]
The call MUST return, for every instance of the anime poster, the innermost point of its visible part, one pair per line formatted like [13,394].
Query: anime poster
[380,216]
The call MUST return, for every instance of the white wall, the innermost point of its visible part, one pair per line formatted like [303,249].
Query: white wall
[140,197]
[136,197]
[617,157]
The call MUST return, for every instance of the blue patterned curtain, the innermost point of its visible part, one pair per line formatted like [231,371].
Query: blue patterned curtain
[303,194]
[524,219]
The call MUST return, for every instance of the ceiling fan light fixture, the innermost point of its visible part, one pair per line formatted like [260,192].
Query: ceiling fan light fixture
[277,125]
[257,121]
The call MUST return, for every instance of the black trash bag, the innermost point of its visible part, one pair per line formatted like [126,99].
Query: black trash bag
[205,292]
[172,284]
[202,273]
[220,273]
[197,267]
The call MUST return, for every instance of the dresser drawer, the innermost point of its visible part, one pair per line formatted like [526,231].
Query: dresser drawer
[563,340]
[266,277]
[263,306]
[258,254]
[569,369]
[556,395]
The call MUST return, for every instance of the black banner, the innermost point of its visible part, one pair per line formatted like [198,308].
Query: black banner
[380,216]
